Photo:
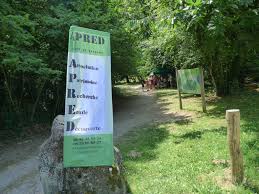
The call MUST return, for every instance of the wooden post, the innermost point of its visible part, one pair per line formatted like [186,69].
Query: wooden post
[236,157]
[178,88]
[202,91]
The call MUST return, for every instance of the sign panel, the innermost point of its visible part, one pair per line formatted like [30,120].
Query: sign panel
[88,131]
[190,81]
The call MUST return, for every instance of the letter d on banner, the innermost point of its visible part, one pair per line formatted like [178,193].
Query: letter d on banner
[88,138]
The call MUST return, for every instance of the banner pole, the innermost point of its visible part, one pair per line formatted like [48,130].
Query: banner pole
[202,91]
[178,89]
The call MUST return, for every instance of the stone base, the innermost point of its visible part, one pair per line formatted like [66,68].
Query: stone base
[88,180]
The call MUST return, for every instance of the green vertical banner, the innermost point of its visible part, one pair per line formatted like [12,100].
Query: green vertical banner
[190,81]
[88,131]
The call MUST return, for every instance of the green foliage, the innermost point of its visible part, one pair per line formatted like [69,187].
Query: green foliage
[225,31]
[219,35]
[33,55]
[216,34]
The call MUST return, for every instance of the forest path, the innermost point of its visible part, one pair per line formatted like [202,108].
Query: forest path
[135,110]
[18,161]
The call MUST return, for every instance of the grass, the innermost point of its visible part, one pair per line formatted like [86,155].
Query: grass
[179,157]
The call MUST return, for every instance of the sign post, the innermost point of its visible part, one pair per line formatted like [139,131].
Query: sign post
[191,81]
[88,131]
[178,89]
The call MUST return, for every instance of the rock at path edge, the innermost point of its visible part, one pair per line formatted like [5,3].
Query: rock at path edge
[87,180]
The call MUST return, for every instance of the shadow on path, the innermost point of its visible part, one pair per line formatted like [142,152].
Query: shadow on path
[19,173]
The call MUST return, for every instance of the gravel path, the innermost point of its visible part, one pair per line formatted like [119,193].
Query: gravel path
[19,165]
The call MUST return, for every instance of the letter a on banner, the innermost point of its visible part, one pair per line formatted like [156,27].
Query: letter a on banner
[88,131]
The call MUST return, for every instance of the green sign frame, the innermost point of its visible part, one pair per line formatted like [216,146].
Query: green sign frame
[191,81]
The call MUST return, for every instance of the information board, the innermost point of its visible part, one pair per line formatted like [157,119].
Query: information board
[88,130]
[189,81]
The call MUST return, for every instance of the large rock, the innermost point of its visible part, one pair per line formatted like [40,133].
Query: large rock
[89,180]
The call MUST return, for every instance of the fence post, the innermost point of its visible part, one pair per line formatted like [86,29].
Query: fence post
[236,157]
[178,89]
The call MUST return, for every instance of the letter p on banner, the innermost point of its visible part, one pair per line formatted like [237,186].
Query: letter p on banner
[88,130]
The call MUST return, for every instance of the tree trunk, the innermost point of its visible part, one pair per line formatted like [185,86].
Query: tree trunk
[127,79]
[57,102]
[8,88]
[220,79]
[37,100]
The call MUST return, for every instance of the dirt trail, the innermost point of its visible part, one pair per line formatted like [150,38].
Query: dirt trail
[18,163]
[134,111]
